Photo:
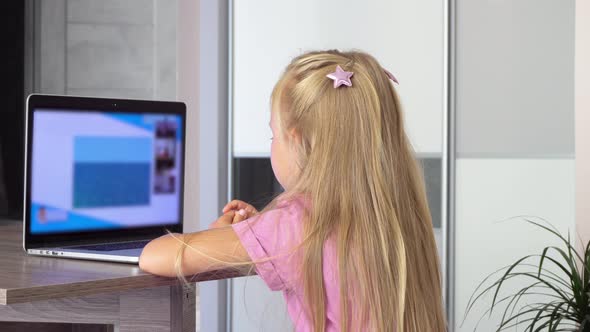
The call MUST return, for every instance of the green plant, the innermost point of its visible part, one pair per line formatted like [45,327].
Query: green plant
[567,290]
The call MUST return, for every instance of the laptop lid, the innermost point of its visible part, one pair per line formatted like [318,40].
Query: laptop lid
[102,170]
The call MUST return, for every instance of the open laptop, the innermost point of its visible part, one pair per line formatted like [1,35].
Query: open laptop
[103,176]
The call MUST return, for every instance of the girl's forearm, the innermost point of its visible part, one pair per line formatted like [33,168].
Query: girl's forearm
[208,250]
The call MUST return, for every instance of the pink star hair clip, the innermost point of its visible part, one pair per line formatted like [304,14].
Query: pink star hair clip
[390,76]
[340,77]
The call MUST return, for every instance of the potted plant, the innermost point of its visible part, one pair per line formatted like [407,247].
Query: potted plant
[560,275]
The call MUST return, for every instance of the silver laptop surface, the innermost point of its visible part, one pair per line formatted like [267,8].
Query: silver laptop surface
[103,176]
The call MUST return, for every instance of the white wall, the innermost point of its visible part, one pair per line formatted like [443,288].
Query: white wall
[489,192]
[514,95]
[582,104]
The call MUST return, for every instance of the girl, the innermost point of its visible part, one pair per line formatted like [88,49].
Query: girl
[350,241]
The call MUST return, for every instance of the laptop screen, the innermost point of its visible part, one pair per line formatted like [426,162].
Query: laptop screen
[95,171]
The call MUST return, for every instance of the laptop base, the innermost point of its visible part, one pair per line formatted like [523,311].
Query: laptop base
[124,256]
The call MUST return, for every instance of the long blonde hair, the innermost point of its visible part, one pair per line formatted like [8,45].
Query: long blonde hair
[367,191]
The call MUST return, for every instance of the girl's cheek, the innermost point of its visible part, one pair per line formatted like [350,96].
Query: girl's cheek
[273,157]
[275,170]
[275,163]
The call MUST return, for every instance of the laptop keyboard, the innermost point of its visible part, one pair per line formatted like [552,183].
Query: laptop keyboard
[113,246]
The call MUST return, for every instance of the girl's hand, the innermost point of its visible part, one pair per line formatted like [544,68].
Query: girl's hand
[224,220]
[237,206]
[232,217]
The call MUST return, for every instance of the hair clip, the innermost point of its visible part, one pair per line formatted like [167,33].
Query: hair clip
[390,75]
[340,77]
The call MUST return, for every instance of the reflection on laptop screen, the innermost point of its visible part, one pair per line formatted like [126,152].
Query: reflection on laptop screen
[104,171]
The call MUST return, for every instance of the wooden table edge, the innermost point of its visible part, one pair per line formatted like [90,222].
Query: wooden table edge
[46,292]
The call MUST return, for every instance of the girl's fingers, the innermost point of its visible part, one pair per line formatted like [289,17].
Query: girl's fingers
[224,220]
[239,216]
[251,210]
[229,206]
[236,204]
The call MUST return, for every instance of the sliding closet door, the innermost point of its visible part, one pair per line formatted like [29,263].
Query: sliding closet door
[407,37]
[514,138]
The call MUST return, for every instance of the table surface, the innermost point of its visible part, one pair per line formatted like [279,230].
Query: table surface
[26,278]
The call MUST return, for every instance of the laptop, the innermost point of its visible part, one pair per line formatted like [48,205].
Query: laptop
[103,176]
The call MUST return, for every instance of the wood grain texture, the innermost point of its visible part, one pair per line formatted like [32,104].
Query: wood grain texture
[183,308]
[132,310]
[53,327]
[157,309]
[173,309]
[94,309]
[25,278]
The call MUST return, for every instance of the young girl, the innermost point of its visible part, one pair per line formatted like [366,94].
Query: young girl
[350,241]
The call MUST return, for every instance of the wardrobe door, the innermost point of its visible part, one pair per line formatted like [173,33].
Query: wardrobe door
[407,37]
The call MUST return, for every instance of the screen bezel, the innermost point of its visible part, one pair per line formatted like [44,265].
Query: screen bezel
[90,104]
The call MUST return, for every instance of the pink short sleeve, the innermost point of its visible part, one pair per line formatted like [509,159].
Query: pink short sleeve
[271,240]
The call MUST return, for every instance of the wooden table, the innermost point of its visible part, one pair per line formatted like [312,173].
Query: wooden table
[120,296]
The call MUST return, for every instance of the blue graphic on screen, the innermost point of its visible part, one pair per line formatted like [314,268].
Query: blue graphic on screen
[103,170]
[111,171]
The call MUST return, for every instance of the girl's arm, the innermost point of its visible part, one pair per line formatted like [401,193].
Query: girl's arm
[215,249]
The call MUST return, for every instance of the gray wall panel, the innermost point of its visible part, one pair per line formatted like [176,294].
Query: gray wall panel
[110,56]
[50,47]
[432,178]
[106,48]
[112,11]
[515,76]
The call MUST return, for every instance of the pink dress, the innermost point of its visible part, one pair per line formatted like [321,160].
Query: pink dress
[271,240]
